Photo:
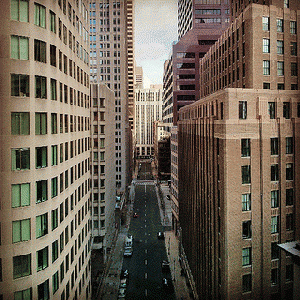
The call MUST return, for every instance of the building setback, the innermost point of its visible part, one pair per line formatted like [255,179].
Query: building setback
[237,200]
[45,150]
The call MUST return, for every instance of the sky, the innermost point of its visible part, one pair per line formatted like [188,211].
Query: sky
[155,30]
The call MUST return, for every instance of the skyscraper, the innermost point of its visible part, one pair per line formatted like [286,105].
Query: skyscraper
[240,145]
[45,150]
[111,63]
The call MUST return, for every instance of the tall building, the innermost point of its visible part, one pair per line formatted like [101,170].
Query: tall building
[103,171]
[45,150]
[138,78]
[240,145]
[167,114]
[111,63]
[148,108]
[200,13]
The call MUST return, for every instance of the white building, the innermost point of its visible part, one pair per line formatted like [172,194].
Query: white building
[148,108]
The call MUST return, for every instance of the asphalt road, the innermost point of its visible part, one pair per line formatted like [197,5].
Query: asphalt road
[145,273]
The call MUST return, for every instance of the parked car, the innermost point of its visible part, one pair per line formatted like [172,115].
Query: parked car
[167,285]
[160,235]
[122,293]
[165,266]
[135,215]
[123,283]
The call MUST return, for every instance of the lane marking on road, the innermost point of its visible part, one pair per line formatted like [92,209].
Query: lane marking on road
[146,292]
[146,251]
[145,220]
[146,241]
[146,275]
[145,233]
[146,262]
[145,225]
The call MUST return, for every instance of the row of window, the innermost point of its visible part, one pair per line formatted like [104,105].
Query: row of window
[279,25]
[274,146]
[280,47]
[20,123]
[274,280]
[20,157]
[246,173]
[20,87]
[280,68]
[286,110]
[274,196]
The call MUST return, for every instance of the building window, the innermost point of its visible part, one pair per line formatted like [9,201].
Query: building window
[266,45]
[272,110]
[41,191]
[274,172]
[19,47]
[19,10]
[53,55]
[246,174]
[42,259]
[245,147]
[293,27]
[52,21]
[21,230]
[54,250]
[54,185]
[294,86]
[40,87]
[246,230]
[25,294]
[275,198]
[289,273]
[55,282]
[41,157]
[247,283]
[274,146]
[286,110]
[266,67]
[289,195]
[20,159]
[289,222]
[21,266]
[53,87]
[246,255]
[246,202]
[266,85]
[39,51]
[274,276]
[40,123]
[289,145]
[53,155]
[43,290]
[280,86]
[243,110]
[280,47]
[274,224]
[294,69]
[39,15]
[20,123]
[19,85]
[280,68]
[20,195]
[279,25]
[265,24]
[54,123]
[41,225]
[54,219]
[286,4]
[294,48]
[289,172]
[274,250]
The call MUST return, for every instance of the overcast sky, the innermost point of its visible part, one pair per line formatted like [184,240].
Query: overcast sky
[155,30]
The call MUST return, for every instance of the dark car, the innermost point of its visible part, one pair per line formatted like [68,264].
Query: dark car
[160,235]
[135,215]
[124,274]
[165,266]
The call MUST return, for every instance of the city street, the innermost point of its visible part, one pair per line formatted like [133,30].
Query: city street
[145,272]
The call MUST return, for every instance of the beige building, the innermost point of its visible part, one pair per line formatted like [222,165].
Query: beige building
[139,77]
[103,171]
[45,150]
[238,198]
[148,109]
[112,63]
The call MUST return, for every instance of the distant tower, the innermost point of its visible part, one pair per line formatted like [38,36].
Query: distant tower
[139,78]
